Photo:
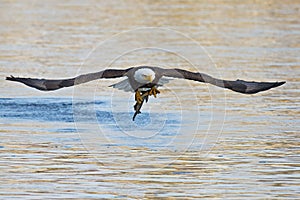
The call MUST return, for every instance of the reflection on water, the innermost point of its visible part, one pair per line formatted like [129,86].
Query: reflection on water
[55,146]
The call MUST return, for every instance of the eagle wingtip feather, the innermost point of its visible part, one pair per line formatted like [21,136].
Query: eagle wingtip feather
[280,83]
[10,78]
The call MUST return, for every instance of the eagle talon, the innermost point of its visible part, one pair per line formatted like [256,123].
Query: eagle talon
[154,91]
[138,97]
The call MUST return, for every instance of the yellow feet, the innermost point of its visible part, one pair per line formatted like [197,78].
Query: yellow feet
[154,91]
[138,97]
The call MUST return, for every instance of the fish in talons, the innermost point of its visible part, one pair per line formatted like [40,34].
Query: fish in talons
[140,97]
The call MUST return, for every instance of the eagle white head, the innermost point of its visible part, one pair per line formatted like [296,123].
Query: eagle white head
[144,75]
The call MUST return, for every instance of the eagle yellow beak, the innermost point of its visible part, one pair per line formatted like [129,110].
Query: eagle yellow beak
[149,78]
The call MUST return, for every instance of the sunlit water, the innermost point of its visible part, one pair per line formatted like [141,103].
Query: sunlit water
[193,141]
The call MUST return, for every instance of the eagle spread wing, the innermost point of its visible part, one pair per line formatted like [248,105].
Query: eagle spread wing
[246,87]
[48,84]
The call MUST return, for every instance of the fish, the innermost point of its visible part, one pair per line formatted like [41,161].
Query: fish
[138,106]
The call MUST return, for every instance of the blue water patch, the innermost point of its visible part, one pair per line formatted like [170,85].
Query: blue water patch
[37,109]
[158,127]
[105,117]
[40,109]
[151,130]
[65,130]
[61,110]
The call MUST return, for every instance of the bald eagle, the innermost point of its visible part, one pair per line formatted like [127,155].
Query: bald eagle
[144,81]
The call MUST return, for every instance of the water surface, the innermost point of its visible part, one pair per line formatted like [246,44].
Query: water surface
[193,141]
